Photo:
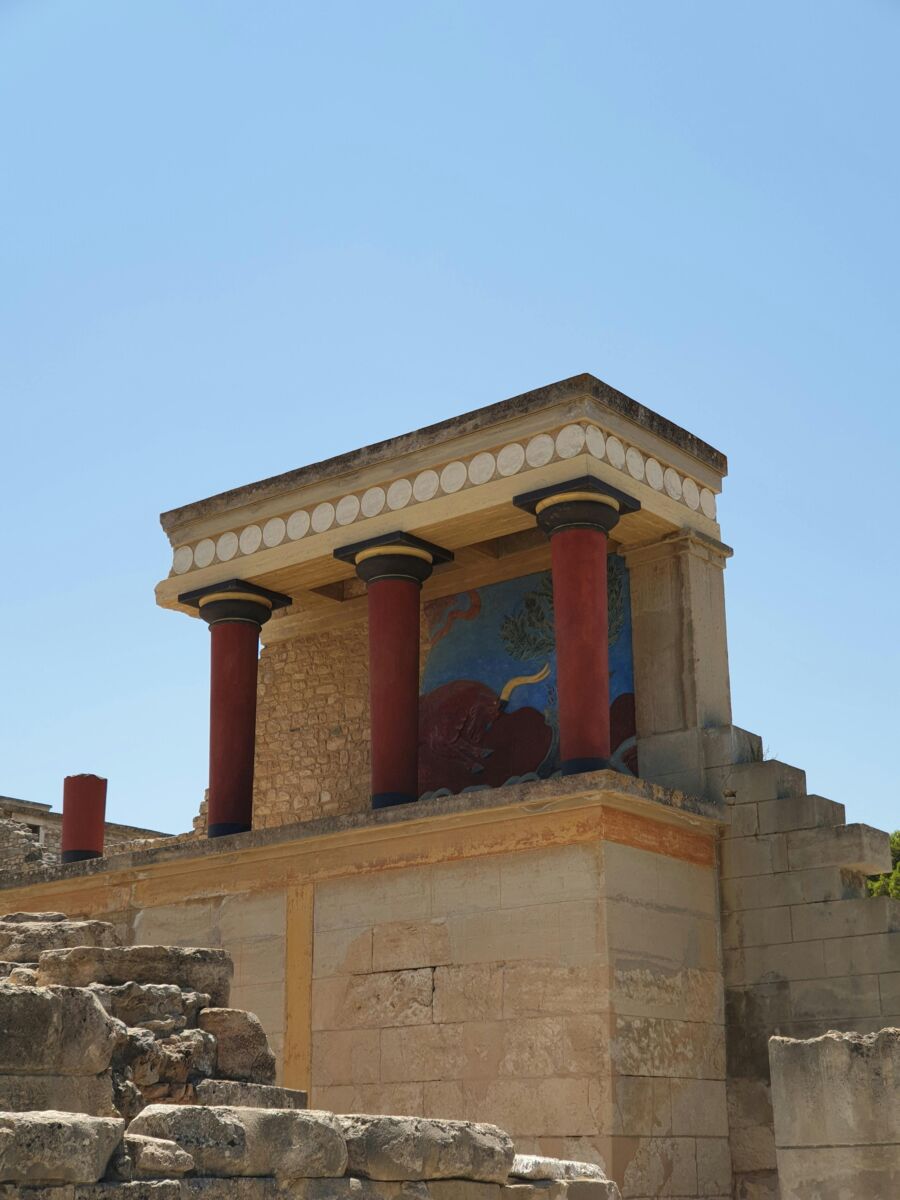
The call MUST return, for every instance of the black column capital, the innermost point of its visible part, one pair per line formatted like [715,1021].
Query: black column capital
[234,600]
[581,503]
[394,556]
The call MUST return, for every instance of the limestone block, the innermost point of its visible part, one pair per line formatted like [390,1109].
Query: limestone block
[570,932]
[372,1001]
[743,820]
[31,917]
[257,961]
[557,1107]
[266,1000]
[534,989]
[349,1055]
[342,952]
[470,885]
[727,745]
[245,917]
[713,1167]
[401,945]
[208,1188]
[642,1106]
[470,993]
[753,1148]
[680,1049]
[419,1148]
[191,968]
[24,941]
[358,1189]
[223,1141]
[423,1052]
[760,855]
[90,1094]
[792,887]
[757,927]
[642,990]
[140,1157]
[242,1050]
[854,847]
[396,1099]
[846,918]
[836,1090]
[141,1189]
[839,1172]
[761,964]
[835,998]
[54,1031]
[231,1094]
[868,954]
[393,895]
[537,1166]
[161,1007]
[550,875]
[699,1108]
[799,812]
[754,782]
[663,938]
[183,924]
[655,1166]
[56,1147]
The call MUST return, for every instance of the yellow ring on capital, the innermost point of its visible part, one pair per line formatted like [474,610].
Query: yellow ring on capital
[565,497]
[408,551]
[204,600]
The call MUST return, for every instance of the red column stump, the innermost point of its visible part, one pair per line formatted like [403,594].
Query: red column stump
[84,817]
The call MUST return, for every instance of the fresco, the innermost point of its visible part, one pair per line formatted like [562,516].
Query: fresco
[488,707]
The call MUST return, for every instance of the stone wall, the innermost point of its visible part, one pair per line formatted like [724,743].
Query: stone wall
[312,727]
[837,1132]
[21,853]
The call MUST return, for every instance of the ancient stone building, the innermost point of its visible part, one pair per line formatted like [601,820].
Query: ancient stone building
[483,842]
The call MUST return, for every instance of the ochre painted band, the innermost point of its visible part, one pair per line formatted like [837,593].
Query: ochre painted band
[381,551]
[215,596]
[567,497]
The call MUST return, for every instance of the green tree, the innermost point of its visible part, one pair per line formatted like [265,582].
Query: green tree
[889,883]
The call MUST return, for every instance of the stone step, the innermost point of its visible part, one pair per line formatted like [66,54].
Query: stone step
[855,847]
[799,812]
[194,969]
[235,1094]
[755,782]
[163,1008]
[23,941]
[54,1031]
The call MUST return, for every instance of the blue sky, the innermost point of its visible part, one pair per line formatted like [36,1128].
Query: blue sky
[239,237]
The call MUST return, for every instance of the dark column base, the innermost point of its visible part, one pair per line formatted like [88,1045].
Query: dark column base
[578,766]
[226,828]
[389,799]
[68,856]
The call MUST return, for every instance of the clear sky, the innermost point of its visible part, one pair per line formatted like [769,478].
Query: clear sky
[239,237]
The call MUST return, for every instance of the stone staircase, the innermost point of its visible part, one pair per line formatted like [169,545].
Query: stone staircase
[806,949]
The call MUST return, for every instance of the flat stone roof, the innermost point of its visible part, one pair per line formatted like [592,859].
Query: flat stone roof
[480,418]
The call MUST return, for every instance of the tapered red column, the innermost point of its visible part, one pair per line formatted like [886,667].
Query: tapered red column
[394,568]
[235,612]
[84,817]
[577,516]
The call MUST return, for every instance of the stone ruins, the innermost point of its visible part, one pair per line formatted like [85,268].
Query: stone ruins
[482,850]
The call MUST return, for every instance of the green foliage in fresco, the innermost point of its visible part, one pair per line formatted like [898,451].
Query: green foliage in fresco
[889,883]
[528,632]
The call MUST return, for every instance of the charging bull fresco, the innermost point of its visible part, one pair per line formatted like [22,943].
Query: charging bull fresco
[488,707]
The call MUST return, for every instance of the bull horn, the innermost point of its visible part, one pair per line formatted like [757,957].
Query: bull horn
[520,680]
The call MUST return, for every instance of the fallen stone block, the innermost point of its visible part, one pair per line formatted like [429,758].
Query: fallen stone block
[22,976]
[54,1031]
[223,1141]
[139,1157]
[535,1166]
[162,1008]
[242,1046]
[235,1094]
[418,1148]
[32,917]
[25,941]
[56,1147]
[90,1094]
[194,969]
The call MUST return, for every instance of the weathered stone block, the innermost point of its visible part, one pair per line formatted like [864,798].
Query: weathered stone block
[470,993]
[402,945]
[231,1094]
[193,969]
[56,1147]
[765,964]
[846,918]
[161,1007]
[643,990]
[534,989]
[419,1148]
[757,927]
[699,1108]
[354,1189]
[679,1049]
[754,782]
[799,812]
[242,1049]
[835,998]
[713,1167]
[54,1031]
[854,847]
[284,1143]
[342,952]
[24,941]
[537,1166]
[142,1189]
[349,1055]
[839,1172]
[372,1001]
[869,954]
[140,1157]
[642,1106]
[90,1094]
[760,855]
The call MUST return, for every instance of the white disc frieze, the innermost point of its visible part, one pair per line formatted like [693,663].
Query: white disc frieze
[570,441]
[251,539]
[322,517]
[672,482]
[273,532]
[373,501]
[691,494]
[654,473]
[511,459]
[615,452]
[426,485]
[227,546]
[298,524]
[596,442]
[399,494]
[453,476]
[540,450]
[182,560]
[347,510]
[634,461]
[204,552]
[707,504]
[481,468]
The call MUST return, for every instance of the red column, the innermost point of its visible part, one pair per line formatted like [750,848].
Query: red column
[84,817]
[582,647]
[394,690]
[235,611]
